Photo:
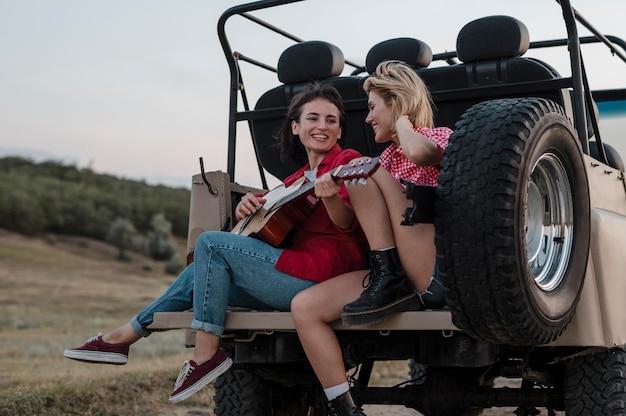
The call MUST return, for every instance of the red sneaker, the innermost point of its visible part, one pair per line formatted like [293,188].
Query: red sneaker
[95,350]
[193,377]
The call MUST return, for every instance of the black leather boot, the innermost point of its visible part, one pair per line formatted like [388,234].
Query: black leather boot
[388,291]
[343,406]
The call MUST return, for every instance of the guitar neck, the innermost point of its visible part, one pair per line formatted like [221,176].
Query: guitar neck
[302,190]
[361,169]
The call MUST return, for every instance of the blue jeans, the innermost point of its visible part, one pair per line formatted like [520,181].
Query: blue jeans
[228,269]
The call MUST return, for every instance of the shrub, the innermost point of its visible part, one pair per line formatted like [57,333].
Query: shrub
[161,246]
[122,234]
[174,265]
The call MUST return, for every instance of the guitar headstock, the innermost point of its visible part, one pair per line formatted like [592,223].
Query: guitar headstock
[357,169]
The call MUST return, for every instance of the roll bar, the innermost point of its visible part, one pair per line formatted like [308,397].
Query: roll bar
[582,94]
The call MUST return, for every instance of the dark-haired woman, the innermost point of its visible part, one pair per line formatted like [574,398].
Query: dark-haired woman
[231,269]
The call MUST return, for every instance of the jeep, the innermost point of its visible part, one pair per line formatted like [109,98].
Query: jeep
[530,218]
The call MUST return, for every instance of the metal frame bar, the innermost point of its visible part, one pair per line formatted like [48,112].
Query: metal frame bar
[573,42]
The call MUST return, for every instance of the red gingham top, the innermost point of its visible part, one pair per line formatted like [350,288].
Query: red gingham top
[395,162]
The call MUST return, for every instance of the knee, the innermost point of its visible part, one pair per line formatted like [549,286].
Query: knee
[208,236]
[302,307]
[207,239]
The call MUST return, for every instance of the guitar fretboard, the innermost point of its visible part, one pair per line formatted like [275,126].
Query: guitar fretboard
[303,190]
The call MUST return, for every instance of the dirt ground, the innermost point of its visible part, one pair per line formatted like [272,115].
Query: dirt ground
[370,410]
[56,291]
[378,410]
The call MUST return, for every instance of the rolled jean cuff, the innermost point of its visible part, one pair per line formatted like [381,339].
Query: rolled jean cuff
[139,330]
[206,327]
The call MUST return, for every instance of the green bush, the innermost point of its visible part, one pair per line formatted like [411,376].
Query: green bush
[122,234]
[21,211]
[59,198]
[174,266]
[161,245]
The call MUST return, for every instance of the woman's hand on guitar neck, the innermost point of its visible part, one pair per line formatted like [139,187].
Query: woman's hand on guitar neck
[248,205]
[326,186]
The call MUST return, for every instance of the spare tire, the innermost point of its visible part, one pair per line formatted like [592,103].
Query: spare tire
[512,223]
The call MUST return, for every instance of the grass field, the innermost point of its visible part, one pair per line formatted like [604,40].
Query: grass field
[57,291]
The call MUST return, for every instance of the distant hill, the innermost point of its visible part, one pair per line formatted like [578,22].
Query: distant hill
[54,197]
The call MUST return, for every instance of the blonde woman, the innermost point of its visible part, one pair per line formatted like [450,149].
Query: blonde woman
[402,258]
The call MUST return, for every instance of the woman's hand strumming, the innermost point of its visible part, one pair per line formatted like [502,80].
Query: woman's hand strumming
[248,205]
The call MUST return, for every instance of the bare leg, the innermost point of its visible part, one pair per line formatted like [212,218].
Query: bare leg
[379,206]
[206,343]
[123,334]
[206,347]
[371,209]
[313,310]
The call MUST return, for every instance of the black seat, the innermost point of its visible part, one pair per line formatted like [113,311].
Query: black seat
[491,50]
[360,134]
[411,51]
[321,61]
[299,65]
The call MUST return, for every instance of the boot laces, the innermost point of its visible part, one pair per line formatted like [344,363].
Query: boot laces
[367,278]
[371,282]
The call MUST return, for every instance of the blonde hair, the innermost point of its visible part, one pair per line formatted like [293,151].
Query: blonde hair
[401,88]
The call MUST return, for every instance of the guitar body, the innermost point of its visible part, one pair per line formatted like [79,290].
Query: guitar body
[273,226]
[275,219]
[286,207]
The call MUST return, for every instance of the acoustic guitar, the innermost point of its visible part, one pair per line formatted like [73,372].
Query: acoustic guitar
[287,206]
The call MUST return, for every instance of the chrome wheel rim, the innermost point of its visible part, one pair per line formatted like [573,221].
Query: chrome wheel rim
[549,222]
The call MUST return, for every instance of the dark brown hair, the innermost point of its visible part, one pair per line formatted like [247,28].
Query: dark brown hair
[291,147]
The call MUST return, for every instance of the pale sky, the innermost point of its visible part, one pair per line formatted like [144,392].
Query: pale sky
[139,88]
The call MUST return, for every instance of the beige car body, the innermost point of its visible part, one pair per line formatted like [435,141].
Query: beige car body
[600,317]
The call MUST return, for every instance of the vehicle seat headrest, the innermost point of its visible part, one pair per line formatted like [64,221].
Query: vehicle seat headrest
[310,61]
[492,37]
[413,52]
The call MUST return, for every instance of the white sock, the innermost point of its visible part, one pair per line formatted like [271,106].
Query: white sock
[336,391]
